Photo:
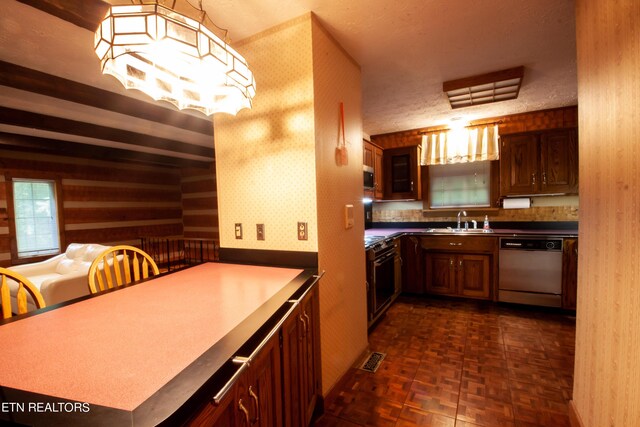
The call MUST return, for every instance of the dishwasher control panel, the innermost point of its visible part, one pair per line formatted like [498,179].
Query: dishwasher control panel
[531,244]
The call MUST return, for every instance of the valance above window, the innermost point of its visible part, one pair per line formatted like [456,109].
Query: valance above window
[460,145]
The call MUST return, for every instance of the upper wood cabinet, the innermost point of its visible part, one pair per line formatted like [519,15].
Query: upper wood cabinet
[539,163]
[402,173]
[372,157]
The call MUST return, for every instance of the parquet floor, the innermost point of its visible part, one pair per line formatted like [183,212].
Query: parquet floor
[460,363]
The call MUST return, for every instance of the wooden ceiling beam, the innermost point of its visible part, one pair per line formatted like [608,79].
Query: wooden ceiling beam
[30,80]
[31,120]
[83,13]
[74,149]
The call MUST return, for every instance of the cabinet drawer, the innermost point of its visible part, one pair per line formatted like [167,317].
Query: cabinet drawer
[460,243]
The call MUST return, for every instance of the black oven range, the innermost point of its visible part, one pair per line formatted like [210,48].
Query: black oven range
[383,275]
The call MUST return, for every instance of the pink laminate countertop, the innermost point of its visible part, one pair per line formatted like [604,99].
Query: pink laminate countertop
[119,348]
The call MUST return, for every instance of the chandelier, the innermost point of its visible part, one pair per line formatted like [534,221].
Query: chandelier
[164,49]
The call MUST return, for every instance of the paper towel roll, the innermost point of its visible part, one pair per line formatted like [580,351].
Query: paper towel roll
[520,203]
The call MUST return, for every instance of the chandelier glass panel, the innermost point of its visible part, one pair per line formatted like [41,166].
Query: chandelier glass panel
[172,56]
[460,145]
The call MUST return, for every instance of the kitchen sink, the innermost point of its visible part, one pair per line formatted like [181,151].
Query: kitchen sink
[459,230]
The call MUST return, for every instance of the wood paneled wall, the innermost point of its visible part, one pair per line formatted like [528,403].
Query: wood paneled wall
[200,203]
[606,389]
[565,117]
[102,202]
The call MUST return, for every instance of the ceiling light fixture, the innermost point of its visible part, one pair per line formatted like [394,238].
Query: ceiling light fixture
[164,49]
[485,88]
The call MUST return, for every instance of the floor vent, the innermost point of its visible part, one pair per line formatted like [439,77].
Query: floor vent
[373,362]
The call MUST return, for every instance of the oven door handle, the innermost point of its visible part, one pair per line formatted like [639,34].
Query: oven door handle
[385,258]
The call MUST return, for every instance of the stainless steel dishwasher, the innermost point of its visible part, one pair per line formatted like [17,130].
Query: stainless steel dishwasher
[530,270]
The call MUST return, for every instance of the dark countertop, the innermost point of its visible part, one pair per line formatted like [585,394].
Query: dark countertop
[499,232]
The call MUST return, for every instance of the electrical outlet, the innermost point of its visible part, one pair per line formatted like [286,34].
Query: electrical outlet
[238,230]
[302,231]
[260,231]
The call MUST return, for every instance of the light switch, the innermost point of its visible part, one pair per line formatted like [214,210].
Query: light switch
[348,216]
[260,231]
[238,230]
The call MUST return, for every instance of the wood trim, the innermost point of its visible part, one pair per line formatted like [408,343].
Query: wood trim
[83,13]
[574,417]
[73,149]
[30,80]
[28,119]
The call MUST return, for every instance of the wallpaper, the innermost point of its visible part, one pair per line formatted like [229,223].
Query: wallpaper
[265,157]
[276,165]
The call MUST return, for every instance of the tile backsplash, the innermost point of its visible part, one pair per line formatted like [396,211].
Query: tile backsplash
[552,208]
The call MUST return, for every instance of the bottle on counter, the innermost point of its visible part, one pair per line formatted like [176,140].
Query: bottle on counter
[486,222]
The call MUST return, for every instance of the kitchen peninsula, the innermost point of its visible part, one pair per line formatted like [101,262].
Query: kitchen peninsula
[159,351]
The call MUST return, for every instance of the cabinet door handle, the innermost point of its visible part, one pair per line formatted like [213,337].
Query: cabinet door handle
[304,326]
[455,244]
[411,185]
[544,178]
[450,262]
[533,178]
[256,405]
[244,411]
[308,322]
[460,265]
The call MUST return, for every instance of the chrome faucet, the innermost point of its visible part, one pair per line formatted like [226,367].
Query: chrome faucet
[459,213]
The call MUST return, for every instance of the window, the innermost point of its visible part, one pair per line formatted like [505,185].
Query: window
[34,203]
[460,185]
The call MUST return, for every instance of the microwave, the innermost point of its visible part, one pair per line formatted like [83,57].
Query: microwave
[368,178]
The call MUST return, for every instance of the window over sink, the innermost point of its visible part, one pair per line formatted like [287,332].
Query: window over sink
[461,185]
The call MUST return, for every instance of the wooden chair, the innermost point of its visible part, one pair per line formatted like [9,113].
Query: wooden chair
[120,265]
[24,287]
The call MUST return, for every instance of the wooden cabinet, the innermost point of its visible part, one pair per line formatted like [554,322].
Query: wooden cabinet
[402,173]
[539,163]
[440,275]
[253,399]
[465,275]
[460,265]
[569,273]
[301,361]
[263,387]
[411,253]
[280,384]
[372,157]
[397,269]
[224,414]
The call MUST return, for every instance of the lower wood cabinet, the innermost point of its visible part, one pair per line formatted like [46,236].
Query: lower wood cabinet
[411,251]
[458,274]
[280,385]
[463,266]
[253,399]
[301,361]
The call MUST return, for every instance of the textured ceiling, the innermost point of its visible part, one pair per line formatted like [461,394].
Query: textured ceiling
[406,49]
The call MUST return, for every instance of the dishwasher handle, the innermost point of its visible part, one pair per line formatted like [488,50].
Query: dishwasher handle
[531,243]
